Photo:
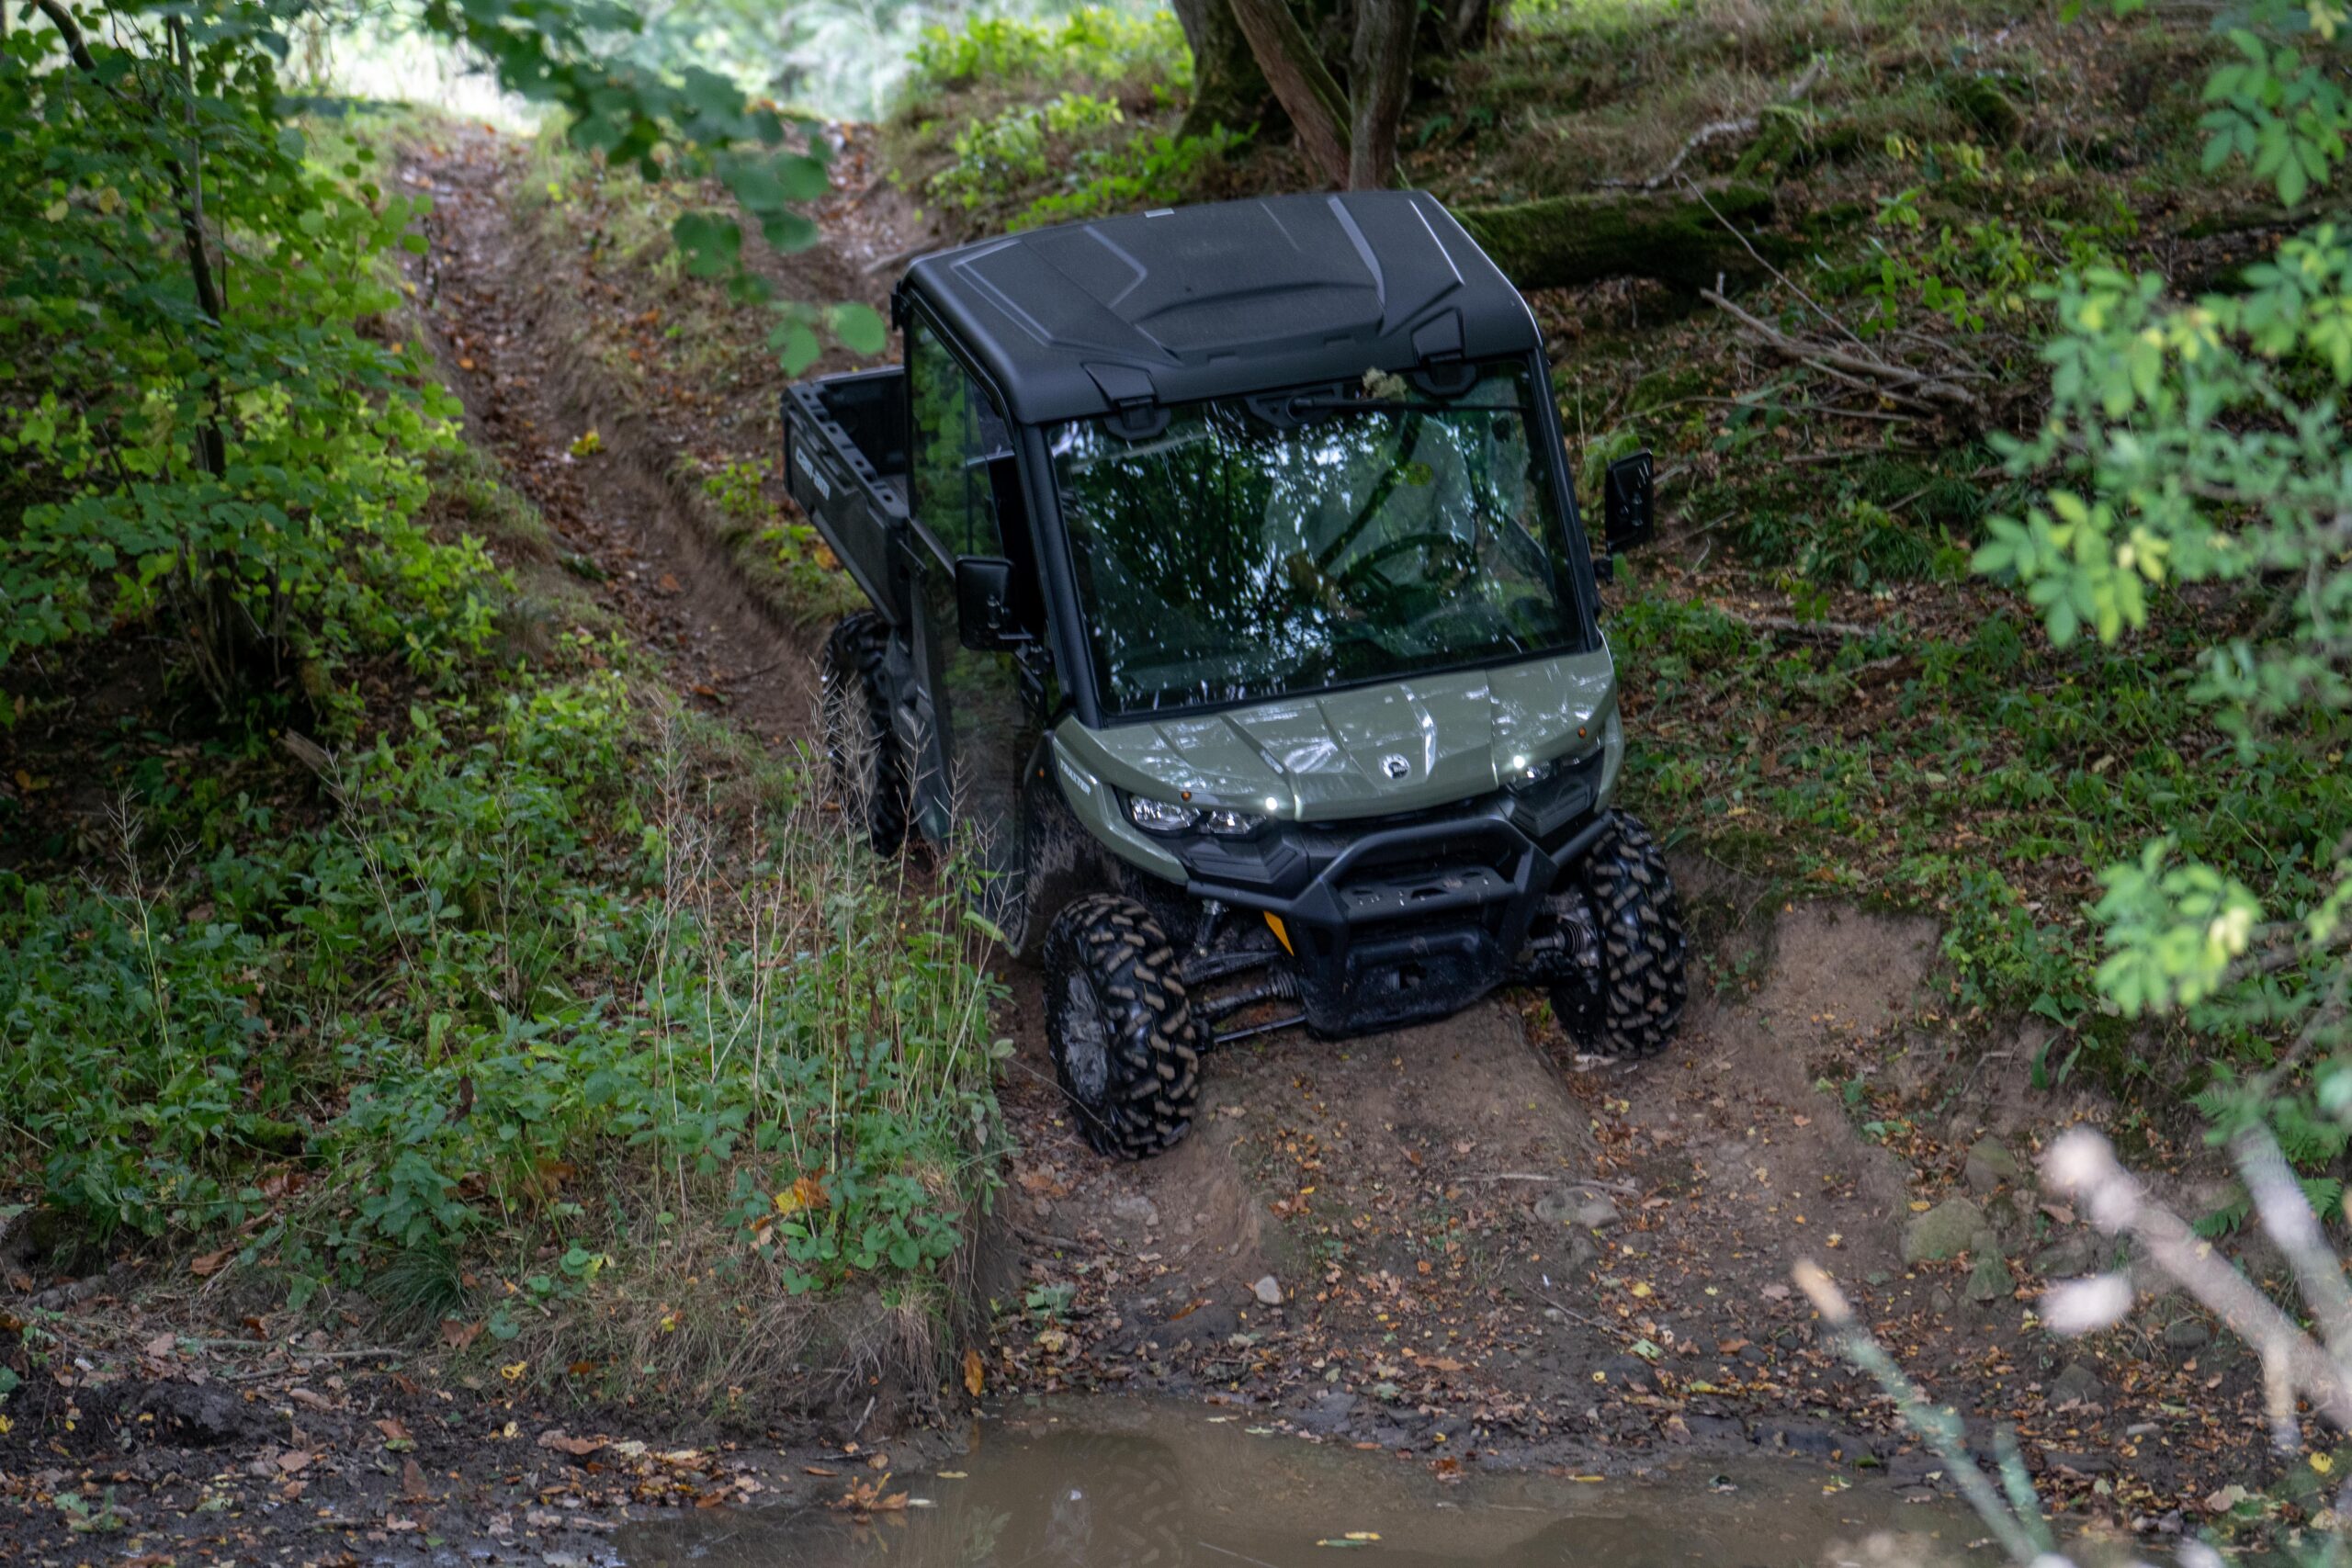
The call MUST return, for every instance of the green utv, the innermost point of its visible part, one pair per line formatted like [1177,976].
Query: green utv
[1232,614]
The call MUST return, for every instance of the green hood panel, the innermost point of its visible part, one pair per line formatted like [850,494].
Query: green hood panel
[1396,746]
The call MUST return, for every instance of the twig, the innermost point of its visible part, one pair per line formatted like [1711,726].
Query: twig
[1747,124]
[1789,625]
[1898,380]
[2083,1165]
[1597,1185]
[904,253]
[1785,282]
[1942,1429]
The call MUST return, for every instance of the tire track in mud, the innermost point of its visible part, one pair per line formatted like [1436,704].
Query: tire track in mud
[619,513]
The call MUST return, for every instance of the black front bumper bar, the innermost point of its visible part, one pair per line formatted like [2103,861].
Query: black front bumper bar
[1406,920]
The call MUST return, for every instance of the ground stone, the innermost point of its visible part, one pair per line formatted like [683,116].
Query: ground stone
[2187,1334]
[1944,1231]
[2076,1383]
[1134,1209]
[2064,1258]
[1989,1279]
[1596,1213]
[1990,1165]
[1269,1289]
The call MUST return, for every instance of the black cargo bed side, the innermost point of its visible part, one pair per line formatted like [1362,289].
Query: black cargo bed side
[846,464]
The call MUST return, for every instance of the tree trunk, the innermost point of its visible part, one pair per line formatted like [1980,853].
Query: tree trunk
[1301,83]
[1380,79]
[1227,87]
[1562,242]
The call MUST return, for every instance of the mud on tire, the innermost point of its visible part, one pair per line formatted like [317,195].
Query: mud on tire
[1127,1049]
[853,722]
[1644,949]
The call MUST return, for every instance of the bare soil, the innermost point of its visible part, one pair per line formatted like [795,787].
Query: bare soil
[1461,1244]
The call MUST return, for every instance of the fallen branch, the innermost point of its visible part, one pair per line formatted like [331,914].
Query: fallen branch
[1789,625]
[1899,382]
[1747,124]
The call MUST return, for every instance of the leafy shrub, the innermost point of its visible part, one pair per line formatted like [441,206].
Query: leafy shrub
[1156,169]
[1092,43]
[243,459]
[997,159]
[1083,146]
[526,953]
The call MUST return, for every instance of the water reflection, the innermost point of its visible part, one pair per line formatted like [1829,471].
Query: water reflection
[1122,1486]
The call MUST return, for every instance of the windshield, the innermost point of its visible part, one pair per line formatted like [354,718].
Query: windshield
[1263,546]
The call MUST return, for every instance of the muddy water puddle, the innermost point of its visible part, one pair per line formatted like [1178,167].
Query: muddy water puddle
[1126,1485]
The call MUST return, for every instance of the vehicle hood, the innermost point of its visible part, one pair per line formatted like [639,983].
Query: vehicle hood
[1368,750]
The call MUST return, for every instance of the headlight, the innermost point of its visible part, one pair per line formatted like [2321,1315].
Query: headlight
[1230,824]
[1160,816]
[1524,774]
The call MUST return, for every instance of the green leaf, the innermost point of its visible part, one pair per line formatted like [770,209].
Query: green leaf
[860,328]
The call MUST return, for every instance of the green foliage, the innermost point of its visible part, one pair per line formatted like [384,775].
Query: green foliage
[2203,443]
[192,422]
[998,158]
[525,946]
[1092,43]
[1082,149]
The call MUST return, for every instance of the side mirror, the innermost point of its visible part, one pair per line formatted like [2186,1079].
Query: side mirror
[1629,502]
[983,604]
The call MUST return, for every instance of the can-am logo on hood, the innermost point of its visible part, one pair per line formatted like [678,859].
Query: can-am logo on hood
[1394,766]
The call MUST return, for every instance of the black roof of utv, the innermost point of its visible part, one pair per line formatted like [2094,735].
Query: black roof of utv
[1196,302]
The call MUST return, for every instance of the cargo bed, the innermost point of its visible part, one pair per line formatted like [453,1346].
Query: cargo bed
[846,464]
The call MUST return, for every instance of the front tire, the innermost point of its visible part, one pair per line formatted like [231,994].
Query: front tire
[1645,951]
[853,722]
[1127,1047]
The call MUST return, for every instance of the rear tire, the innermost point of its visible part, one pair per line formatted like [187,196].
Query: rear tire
[1127,1048]
[869,775]
[1645,951]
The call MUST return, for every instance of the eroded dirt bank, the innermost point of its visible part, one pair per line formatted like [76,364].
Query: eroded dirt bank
[1458,1245]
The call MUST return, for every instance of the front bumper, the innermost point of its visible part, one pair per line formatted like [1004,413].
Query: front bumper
[1401,920]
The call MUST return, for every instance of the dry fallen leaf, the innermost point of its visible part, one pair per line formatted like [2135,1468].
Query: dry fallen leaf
[974,1375]
[578,1448]
[206,1264]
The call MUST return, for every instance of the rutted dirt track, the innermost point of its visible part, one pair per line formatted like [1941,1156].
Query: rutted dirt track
[1458,1244]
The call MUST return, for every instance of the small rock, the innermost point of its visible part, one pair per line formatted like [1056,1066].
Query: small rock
[1556,1207]
[1269,1290]
[1989,1279]
[1990,1165]
[2076,1384]
[1136,1209]
[1944,1231]
[2187,1334]
[2064,1258]
[1798,1437]
[1627,1369]
[1596,1213]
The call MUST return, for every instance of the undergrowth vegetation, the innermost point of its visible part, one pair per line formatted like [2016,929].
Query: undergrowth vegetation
[1009,123]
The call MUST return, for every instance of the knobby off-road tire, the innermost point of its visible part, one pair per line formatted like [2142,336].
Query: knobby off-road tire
[1644,951]
[1127,1048]
[853,720]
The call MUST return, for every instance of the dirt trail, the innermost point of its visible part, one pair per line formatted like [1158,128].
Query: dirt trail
[1458,1244]
[1458,1240]
[620,511]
